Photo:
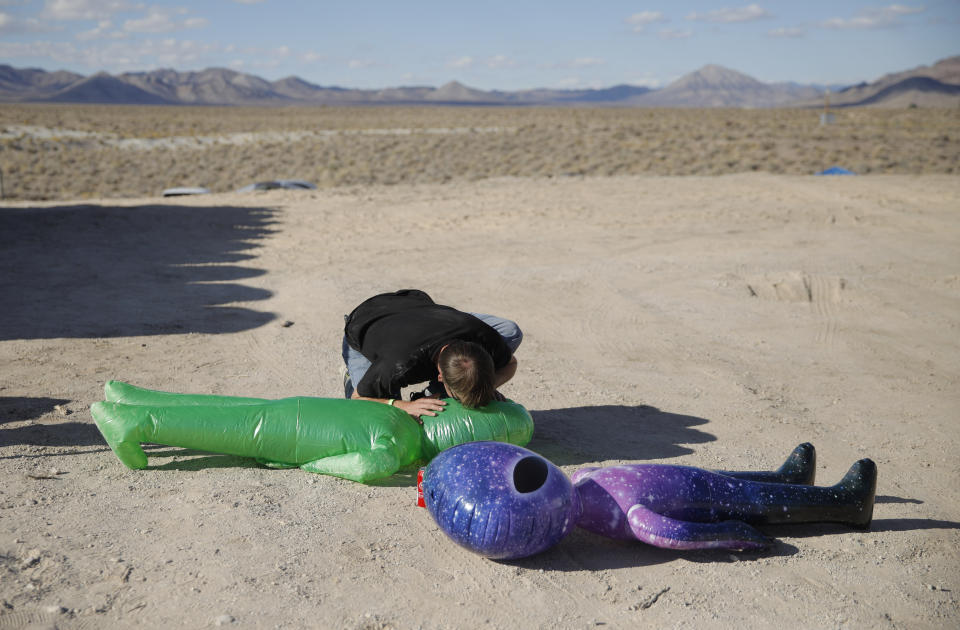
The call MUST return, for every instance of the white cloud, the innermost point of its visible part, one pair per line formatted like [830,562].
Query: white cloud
[642,19]
[162,20]
[586,62]
[884,17]
[500,61]
[116,56]
[462,62]
[171,52]
[728,15]
[312,57]
[13,25]
[157,20]
[568,83]
[574,64]
[784,31]
[83,9]
[647,81]
[899,9]
[58,51]
[103,30]
[360,63]
[265,64]
[174,52]
[672,33]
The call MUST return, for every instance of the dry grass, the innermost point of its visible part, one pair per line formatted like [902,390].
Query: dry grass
[127,151]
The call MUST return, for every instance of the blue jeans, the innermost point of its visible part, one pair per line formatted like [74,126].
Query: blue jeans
[357,364]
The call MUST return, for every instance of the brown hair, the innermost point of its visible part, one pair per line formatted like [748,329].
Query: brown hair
[468,372]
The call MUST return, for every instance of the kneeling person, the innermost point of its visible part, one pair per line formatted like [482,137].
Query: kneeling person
[398,339]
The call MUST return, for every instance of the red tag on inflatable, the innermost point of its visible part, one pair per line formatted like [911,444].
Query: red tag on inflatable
[420,502]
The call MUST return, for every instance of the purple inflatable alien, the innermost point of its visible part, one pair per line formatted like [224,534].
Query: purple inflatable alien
[504,501]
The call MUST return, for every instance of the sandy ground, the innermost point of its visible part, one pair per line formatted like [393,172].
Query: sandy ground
[715,321]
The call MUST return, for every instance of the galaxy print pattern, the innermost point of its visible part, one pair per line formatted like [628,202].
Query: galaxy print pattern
[800,468]
[499,500]
[681,507]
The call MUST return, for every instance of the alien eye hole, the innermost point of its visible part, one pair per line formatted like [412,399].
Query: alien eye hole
[529,474]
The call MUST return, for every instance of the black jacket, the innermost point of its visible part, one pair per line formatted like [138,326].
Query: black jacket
[401,334]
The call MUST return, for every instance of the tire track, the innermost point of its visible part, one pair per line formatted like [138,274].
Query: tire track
[823,293]
[825,296]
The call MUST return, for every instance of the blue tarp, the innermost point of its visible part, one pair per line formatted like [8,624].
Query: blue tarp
[836,170]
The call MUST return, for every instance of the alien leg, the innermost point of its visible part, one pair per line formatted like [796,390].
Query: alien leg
[849,502]
[800,468]
[266,431]
[120,392]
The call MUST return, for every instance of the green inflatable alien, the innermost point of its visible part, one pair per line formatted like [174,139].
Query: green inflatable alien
[353,439]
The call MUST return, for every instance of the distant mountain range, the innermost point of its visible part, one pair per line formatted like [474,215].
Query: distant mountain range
[927,86]
[711,86]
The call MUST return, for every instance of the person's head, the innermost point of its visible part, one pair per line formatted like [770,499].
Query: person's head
[467,373]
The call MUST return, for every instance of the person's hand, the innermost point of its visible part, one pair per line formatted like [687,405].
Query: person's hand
[421,407]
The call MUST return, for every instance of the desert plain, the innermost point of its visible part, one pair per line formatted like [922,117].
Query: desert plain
[96,151]
[715,316]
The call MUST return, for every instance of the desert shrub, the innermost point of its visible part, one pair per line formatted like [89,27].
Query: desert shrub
[338,146]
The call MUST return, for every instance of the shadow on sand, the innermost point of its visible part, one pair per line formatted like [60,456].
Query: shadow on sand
[585,435]
[19,408]
[102,271]
[60,434]
[584,551]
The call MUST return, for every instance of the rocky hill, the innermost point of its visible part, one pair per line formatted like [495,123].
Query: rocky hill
[716,86]
[925,86]
[103,88]
[33,83]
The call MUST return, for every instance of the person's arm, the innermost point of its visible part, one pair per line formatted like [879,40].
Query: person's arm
[377,380]
[505,373]
[425,406]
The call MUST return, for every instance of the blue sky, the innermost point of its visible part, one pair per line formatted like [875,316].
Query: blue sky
[489,45]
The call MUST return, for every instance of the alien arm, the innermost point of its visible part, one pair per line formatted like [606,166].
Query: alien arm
[669,533]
